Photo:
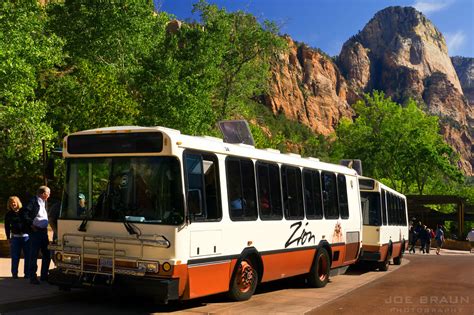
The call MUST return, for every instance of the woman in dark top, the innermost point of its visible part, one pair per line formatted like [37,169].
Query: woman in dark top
[17,234]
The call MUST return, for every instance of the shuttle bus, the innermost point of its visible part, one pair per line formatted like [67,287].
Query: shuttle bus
[385,225]
[180,217]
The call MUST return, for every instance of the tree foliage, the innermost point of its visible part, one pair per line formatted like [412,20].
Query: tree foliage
[27,52]
[398,143]
[245,48]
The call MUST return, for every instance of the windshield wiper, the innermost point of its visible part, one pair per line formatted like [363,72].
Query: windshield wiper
[83,226]
[131,229]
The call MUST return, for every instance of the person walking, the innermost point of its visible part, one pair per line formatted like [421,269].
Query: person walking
[37,218]
[17,235]
[470,238]
[439,239]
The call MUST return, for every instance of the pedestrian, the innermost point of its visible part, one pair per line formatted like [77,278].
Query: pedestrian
[439,238]
[430,235]
[423,238]
[470,238]
[411,239]
[16,232]
[37,218]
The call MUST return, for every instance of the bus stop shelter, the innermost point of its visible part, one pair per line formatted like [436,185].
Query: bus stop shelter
[417,207]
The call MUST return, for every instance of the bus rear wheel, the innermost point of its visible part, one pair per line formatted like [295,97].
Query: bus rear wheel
[319,275]
[244,281]
[398,260]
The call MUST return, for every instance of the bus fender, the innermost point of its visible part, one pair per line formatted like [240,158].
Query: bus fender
[390,249]
[255,257]
[324,244]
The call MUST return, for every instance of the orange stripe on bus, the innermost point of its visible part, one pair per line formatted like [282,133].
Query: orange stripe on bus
[208,279]
[282,265]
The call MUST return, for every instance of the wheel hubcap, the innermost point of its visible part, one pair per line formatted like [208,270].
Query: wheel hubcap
[245,277]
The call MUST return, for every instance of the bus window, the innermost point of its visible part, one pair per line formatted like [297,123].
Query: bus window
[269,192]
[312,194]
[202,177]
[384,207]
[370,203]
[147,189]
[241,189]
[392,210]
[342,195]
[331,210]
[292,192]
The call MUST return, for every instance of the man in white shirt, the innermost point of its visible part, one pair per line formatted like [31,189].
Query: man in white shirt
[37,218]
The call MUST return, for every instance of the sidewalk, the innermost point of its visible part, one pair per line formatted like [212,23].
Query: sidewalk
[19,293]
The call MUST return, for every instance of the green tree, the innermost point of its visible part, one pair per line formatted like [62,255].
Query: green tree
[399,144]
[27,53]
[178,81]
[244,48]
[106,44]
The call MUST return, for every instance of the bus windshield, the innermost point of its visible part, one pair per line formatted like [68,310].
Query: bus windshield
[370,202]
[119,189]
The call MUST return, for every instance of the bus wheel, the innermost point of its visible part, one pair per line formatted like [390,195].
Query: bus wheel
[398,260]
[319,275]
[383,265]
[244,282]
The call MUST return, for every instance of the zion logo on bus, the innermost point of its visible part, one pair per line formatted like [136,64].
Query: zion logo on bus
[300,238]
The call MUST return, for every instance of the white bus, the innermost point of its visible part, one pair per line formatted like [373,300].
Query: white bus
[385,225]
[180,217]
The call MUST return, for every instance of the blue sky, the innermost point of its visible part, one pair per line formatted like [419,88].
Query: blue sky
[327,24]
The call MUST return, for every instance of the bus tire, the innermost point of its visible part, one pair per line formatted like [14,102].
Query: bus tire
[398,260]
[383,265]
[319,274]
[244,281]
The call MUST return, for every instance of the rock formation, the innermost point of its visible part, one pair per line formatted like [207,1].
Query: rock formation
[399,52]
[465,69]
[308,87]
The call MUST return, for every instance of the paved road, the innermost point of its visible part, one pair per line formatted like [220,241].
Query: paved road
[428,285]
[445,285]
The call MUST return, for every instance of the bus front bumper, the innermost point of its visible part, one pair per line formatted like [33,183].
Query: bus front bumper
[162,290]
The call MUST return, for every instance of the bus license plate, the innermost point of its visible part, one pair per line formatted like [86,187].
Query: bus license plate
[105,262]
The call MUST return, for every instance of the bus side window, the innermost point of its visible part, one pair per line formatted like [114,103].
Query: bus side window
[202,180]
[312,194]
[292,192]
[342,195]
[241,192]
[384,207]
[331,209]
[269,192]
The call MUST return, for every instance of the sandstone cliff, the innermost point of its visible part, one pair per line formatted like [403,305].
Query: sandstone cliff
[465,69]
[401,53]
[308,87]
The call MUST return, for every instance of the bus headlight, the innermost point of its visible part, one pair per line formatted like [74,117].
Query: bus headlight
[71,259]
[148,266]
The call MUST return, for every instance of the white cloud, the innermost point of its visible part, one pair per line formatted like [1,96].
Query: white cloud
[427,7]
[455,41]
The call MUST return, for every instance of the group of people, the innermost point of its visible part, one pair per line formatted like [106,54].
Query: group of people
[421,232]
[26,229]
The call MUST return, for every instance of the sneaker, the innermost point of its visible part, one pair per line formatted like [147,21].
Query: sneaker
[34,281]
[44,279]
[15,276]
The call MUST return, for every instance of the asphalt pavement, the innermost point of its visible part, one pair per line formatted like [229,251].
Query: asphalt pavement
[19,294]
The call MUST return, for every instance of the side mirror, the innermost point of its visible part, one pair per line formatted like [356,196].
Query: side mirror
[194,202]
